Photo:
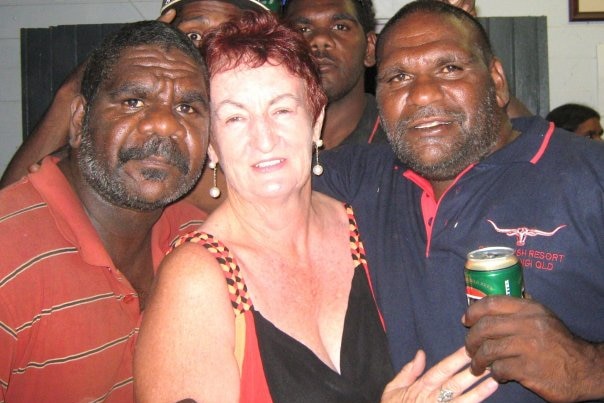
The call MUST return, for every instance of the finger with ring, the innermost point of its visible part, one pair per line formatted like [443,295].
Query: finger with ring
[445,395]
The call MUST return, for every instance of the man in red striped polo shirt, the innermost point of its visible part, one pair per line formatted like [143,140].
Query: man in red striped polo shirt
[193,17]
[81,238]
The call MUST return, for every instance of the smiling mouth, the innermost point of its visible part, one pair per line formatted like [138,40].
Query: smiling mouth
[268,164]
[429,125]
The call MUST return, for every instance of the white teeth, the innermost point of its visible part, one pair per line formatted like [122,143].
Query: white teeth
[430,124]
[268,164]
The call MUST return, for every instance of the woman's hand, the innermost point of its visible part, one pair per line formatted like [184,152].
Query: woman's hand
[444,382]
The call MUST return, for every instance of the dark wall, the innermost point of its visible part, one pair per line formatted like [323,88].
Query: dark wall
[521,44]
[48,55]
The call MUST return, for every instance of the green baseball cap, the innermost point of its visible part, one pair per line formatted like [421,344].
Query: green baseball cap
[242,4]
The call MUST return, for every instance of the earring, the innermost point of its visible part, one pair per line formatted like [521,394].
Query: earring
[214,191]
[317,169]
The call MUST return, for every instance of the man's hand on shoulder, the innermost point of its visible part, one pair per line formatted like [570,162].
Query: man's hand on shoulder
[168,16]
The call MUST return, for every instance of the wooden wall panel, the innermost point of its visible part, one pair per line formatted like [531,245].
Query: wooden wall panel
[48,55]
[521,44]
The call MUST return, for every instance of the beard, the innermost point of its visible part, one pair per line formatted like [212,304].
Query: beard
[477,139]
[107,180]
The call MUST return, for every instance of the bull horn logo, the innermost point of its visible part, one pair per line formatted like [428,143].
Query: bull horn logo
[522,232]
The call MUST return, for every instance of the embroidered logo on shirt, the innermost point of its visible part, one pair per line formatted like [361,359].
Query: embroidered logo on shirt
[522,232]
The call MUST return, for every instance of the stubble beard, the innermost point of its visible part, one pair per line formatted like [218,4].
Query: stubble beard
[477,140]
[106,181]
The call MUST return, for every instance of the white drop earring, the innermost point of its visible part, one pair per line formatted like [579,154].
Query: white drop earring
[214,190]
[317,169]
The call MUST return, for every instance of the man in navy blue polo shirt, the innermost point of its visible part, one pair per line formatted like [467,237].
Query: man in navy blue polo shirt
[457,177]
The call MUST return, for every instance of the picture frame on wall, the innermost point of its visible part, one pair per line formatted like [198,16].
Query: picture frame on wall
[586,10]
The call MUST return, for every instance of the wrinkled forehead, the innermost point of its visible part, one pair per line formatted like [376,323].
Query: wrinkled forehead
[155,61]
[321,8]
[205,14]
[421,29]
[250,84]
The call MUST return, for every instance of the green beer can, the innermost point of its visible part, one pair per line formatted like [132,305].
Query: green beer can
[493,271]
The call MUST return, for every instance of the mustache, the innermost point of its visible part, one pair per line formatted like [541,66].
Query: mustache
[156,146]
[320,55]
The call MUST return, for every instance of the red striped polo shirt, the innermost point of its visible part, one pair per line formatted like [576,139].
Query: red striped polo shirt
[68,317]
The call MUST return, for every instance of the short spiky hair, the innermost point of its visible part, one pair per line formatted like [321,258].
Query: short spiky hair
[104,58]
[439,8]
[364,9]
[257,38]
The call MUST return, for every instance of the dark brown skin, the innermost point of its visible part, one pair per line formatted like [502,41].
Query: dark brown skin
[194,20]
[125,233]
[523,341]
[344,50]
[429,63]
[152,93]
[51,133]
[515,107]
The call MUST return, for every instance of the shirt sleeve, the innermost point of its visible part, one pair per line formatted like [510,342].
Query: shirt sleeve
[348,169]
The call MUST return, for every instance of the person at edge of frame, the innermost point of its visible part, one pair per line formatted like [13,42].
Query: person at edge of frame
[81,238]
[193,17]
[457,176]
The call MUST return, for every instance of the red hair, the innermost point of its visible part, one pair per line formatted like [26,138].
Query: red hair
[257,38]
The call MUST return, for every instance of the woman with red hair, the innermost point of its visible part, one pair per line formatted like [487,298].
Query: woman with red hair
[270,299]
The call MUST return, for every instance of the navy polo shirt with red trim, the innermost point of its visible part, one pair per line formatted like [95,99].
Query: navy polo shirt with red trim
[542,195]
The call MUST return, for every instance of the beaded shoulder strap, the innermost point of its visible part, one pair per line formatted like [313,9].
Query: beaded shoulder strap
[240,300]
[358,252]
[356,245]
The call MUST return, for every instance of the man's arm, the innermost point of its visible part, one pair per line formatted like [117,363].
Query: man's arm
[51,132]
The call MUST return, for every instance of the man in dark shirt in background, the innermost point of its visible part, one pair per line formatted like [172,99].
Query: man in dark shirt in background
[342,36]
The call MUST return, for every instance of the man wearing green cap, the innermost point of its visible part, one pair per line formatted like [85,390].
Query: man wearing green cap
[194,17]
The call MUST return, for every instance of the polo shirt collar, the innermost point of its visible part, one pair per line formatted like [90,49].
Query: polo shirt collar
[70,217]
[529,146]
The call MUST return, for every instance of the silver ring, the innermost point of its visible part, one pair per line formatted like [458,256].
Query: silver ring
[445,395]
